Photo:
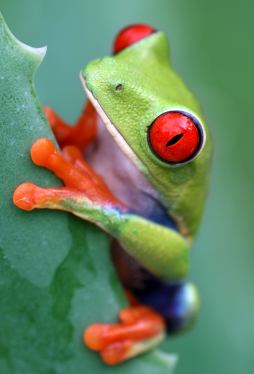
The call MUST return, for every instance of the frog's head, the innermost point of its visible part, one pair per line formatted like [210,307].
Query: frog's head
[151,114]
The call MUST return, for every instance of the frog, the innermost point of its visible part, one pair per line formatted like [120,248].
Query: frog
[137,164]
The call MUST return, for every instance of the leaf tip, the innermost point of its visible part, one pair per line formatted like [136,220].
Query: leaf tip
[41,52]
[37,53]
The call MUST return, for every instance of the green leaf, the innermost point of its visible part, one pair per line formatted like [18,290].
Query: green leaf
[56,275]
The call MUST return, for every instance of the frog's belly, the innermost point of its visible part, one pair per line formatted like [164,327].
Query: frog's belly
[124,180]
[133,189]
[120,175]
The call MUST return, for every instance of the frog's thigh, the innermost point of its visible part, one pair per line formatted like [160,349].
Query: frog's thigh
[163,251]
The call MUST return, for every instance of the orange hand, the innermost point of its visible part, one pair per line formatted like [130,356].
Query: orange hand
[74,156]
[80,135]
[81,181]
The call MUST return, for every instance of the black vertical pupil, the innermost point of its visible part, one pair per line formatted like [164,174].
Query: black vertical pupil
[174,140]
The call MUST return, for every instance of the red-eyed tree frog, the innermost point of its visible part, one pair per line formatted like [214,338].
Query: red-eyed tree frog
[143,179]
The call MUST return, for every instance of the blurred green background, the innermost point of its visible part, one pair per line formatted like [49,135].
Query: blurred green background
[212,49]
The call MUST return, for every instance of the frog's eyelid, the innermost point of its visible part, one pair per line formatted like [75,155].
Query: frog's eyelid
[131,35]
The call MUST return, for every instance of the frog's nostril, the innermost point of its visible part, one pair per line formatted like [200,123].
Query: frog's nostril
[119,87]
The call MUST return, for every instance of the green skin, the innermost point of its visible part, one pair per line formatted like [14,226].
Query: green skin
[149,87]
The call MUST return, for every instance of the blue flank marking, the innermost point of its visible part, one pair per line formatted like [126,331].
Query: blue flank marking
[159,216]
[171,301]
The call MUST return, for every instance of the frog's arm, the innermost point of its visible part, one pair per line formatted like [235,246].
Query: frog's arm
[161,250]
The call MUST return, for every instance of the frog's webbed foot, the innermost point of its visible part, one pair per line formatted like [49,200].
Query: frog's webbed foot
[140,330]
[83,186]
[81,134]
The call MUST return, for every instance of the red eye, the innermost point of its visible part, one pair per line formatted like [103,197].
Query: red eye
[175,137]
[131,35]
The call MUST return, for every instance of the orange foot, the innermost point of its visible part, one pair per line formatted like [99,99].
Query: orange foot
[140,330]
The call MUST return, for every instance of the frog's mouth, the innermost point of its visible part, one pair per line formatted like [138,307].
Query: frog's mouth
[120,141]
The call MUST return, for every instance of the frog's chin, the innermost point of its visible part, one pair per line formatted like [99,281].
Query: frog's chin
[120,141]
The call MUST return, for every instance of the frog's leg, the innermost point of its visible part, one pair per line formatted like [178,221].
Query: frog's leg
[140,330]
[166,308]
[81,134]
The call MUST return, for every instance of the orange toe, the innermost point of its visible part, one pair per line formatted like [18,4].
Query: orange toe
[94,337]
[116,353]
[23,196]
[41,150]
[72,153]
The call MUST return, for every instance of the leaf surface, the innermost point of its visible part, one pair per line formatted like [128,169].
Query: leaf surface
[56,275]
